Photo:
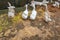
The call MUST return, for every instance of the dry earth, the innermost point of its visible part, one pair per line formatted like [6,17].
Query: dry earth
[34,30]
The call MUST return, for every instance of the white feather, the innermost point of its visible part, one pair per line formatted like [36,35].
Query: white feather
[11,10]
[44,1]
[56,4]
[34,13]
[39,3]
[9,3]
[25,13]
[10,14]
[47,16]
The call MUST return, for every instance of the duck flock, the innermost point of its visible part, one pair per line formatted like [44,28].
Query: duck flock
[11,11]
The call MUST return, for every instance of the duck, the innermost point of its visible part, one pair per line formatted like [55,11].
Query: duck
[45,1]
[11,11]
[34,13]
[56,4]
[36,3]
[47,16]
[25,13]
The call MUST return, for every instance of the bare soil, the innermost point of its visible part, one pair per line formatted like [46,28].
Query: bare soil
[37,29]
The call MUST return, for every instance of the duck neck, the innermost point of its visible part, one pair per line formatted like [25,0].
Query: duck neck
[46,8]
[9,4]
[34,7]
[26,8]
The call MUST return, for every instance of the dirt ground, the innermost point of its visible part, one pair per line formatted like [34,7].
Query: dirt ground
[34,30]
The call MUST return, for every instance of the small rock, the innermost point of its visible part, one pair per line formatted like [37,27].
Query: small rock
[57,26]
[54,21]
[40,24]
[50,23]
[1,34]
[7,32]
[13,33]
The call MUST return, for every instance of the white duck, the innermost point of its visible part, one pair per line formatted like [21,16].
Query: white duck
[45,1]
[36,3]
[11,11]
[34,13]
[47,16]
[56,4]
[25,13]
